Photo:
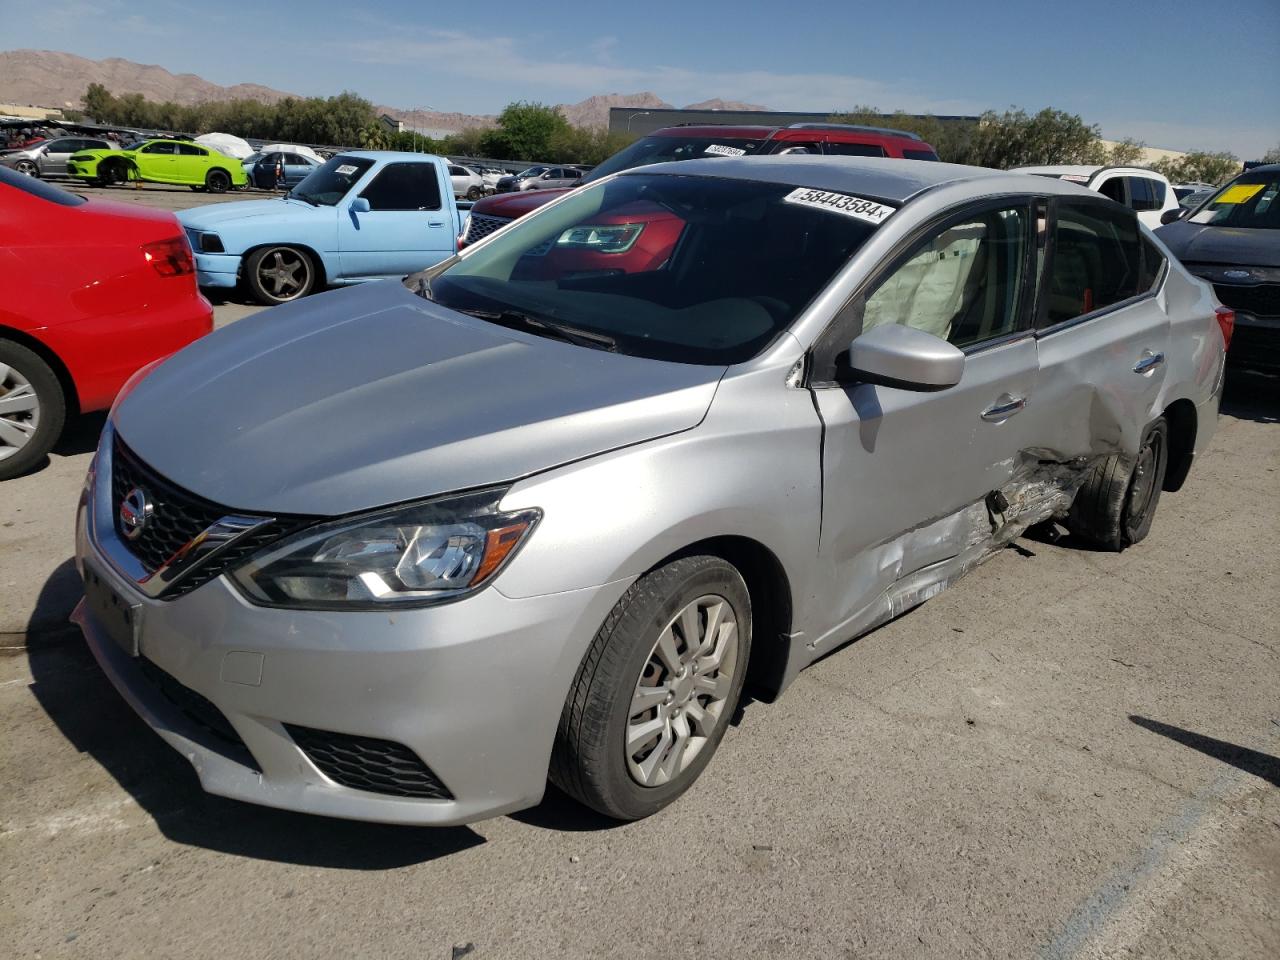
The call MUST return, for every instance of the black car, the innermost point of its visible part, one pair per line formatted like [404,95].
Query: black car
[1232,240]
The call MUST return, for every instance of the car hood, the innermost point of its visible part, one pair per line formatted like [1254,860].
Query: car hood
[513,205]
[370,396]
[213,215]
[1202,243]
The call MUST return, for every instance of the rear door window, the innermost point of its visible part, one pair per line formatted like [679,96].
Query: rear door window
[404,186]
[847,149]
[191,150]
[161,148]
[1142,195]
[1095,261]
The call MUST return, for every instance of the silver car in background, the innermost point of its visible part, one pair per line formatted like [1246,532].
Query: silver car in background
[49,159]
[403,552]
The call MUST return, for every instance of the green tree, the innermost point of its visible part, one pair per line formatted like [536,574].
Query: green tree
[99,103]
[1199,167]
[1127,153]
[952,139]
[1272,155]
[524,131]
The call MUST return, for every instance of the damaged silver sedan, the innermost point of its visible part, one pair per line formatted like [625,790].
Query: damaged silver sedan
[403,552]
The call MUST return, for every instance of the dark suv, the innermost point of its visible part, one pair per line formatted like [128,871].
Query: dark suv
[1232,239]
[694,142]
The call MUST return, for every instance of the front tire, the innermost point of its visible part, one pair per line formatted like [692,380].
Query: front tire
[1117,503]
[33,409]
[278,275]
[217,181]
[27,168]
[657,689]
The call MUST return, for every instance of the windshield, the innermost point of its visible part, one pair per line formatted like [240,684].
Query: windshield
[531,172]
[692,269]
[1247,201]
[133,144]
[667,149]
[330,182]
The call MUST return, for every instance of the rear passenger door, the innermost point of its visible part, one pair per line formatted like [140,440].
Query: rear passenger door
[405,229]
[1102,331]
[56,155]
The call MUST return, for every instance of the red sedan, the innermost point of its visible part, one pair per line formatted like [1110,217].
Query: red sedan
[91,291]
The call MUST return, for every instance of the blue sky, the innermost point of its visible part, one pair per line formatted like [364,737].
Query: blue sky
[1173,73]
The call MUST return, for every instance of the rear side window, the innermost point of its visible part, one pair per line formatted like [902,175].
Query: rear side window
[404,186]
[37,188]
[1152,266]
[919,155]
[1096,261]
[1142,194]
[855,149]
[191,150]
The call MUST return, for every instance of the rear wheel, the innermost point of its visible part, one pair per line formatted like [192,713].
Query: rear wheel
[279,274]
[475,193]
[656,690]
[1115,507]
[32,409]
[27,168]
[217,181]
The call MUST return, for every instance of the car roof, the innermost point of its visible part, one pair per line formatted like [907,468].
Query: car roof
[882,178]
[1058,169]
[796,131]
[388,155]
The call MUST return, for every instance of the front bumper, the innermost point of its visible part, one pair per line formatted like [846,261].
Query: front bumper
[473,688]
[217,269]
[1255,344]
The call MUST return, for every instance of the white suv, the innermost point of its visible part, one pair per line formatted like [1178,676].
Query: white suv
[1137,188]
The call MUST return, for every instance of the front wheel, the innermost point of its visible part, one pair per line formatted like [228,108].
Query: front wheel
[217,181]
[279,274]
[32,409]
[656,690]
[475,193]
[1115,506]
[27,168]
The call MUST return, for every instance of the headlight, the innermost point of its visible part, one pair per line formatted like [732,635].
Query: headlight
[602,238]
[211,243]
[466,226]
[408,556]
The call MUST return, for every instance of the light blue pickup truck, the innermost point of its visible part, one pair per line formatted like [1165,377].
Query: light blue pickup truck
[362,215]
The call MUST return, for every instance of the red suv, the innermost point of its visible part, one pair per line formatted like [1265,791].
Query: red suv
[691,143]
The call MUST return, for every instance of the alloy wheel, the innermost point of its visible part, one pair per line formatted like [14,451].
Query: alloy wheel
[683,688]
[19,411]
[284,273]
[27,168]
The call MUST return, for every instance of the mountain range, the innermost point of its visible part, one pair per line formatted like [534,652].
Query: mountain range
[51,78]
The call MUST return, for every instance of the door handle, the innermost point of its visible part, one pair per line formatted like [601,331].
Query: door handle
[435,223]
[1004,407]
[1148,362]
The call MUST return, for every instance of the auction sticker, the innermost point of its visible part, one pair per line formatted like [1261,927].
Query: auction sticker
[346,170]
[1240,193]
[720,150]
[868,211]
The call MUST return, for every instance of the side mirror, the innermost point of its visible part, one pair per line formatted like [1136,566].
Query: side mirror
[360,205]
[1169,216]
[903,357]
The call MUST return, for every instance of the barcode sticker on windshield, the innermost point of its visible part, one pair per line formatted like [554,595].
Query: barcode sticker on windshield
[868,211]
[720,150]
[346,170]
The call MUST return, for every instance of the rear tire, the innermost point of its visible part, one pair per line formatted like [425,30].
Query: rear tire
[1117,503]
[33,409]
[280,274]
[475,193]
[217,181]
[656,690]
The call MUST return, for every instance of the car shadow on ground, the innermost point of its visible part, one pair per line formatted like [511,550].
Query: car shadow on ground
[95,719]
[1252,396]
[1261,765]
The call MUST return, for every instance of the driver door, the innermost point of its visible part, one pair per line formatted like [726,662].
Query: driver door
[405,229]
[906,473]
[158,161]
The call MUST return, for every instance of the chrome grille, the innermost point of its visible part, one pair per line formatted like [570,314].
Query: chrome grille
[178,518]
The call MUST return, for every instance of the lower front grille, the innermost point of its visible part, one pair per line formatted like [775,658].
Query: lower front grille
[365,763]
[1260,299]
[1254,347]
[481,225]
[220,735]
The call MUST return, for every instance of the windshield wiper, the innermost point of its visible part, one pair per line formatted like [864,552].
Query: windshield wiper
[561,331]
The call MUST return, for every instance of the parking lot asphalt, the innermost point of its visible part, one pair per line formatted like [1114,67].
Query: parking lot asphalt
[1068,754]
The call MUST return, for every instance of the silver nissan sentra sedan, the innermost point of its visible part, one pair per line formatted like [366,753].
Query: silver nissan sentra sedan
[403,552]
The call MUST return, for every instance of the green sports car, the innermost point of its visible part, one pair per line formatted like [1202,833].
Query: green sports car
[160,161]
